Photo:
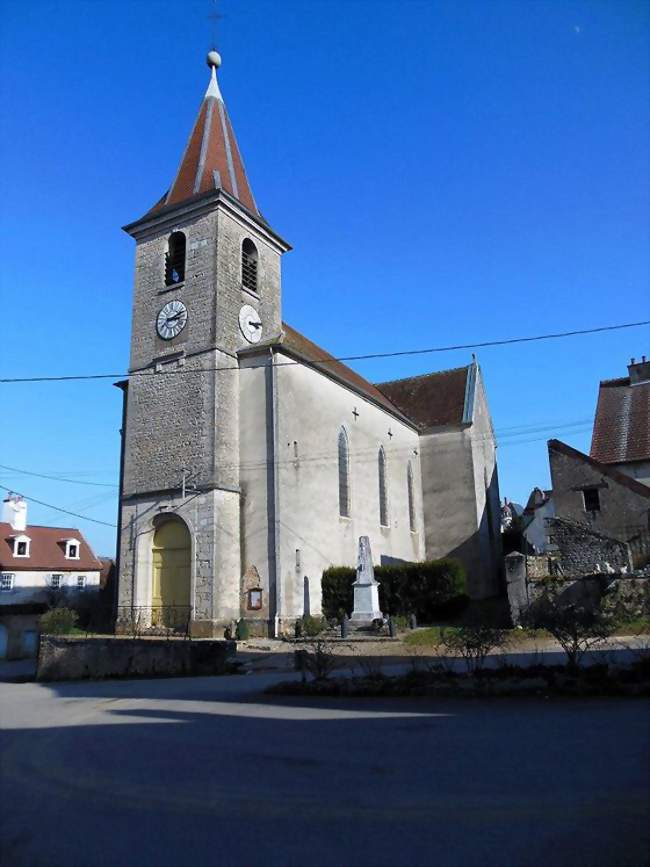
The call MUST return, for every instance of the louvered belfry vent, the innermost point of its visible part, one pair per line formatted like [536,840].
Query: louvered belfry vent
[249,265]
[175,259]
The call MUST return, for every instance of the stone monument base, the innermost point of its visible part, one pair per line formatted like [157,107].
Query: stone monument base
[366,603]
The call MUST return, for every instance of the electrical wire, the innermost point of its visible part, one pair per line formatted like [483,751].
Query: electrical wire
[331,360]
[57,508]
[57,478]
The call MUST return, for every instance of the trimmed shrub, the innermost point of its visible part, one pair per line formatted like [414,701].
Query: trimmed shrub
[312,626]
[431,590]
[58,621]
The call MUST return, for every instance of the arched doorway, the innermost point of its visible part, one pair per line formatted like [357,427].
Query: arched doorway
[170,597]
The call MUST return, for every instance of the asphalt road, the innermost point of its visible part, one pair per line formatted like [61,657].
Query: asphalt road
[208,771]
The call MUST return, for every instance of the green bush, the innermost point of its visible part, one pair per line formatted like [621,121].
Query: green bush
[242,631]
[58,621]
[431,590]
[312,626]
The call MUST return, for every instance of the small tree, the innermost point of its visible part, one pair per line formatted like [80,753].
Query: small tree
[574,623]
[320,660]
[473,642]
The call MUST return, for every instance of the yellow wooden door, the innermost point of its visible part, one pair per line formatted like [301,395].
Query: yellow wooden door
[171,574]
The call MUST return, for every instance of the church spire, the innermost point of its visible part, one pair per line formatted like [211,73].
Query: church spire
[211,159]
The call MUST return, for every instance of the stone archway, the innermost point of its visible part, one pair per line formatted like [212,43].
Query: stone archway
[171,578]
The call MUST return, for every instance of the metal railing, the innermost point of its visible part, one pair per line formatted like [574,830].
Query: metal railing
[171,621]
[160,620]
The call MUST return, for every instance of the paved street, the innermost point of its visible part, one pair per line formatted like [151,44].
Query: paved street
[208,771]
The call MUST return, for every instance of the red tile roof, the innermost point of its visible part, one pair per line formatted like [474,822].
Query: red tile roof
[47,550]
[211,159]
[431,400]
[622,423]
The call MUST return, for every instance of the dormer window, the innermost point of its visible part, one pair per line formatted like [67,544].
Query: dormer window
[175,259]
[249,265]
[72,549]
[21,546]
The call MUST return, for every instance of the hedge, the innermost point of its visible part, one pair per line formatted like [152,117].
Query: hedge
[430,590]
[58,621]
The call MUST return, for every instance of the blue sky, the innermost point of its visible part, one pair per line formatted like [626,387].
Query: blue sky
[447,172]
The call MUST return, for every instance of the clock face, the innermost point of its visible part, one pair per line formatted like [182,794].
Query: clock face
[171,319]
[250,324]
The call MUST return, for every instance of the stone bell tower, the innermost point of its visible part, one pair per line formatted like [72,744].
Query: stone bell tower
[207,284]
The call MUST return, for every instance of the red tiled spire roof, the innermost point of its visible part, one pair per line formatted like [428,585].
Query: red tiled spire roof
[211,159]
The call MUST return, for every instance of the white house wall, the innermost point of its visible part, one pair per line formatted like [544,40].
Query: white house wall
[32,586]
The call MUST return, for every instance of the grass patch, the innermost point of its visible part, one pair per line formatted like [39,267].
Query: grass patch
[429,637]
[639,626]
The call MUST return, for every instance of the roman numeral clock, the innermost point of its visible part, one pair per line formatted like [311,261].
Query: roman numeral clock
[171,320]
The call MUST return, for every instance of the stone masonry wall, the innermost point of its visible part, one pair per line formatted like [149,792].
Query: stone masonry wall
[580,551]
[64,658]
[527,576]
[623,512]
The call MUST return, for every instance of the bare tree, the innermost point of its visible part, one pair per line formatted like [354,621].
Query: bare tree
[576,624]
[320,660]
[473,643]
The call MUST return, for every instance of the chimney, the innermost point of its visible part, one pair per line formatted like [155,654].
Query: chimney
[639,371]
[14,512]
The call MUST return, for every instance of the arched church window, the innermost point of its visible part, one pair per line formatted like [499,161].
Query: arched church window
[344,475]
[409,486]
[175,259]
[249,265]
[383,496]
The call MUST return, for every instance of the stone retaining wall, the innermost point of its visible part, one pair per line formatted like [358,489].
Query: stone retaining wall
[70,658]
[526,576]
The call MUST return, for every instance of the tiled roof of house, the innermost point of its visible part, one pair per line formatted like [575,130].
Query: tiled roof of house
[622,423]
[211,159]
[431,400]
[605,469]
[47,550]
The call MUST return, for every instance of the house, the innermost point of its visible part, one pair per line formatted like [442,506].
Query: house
[539,507]
[621,434]
[601,498]
[37,566]
[251,458]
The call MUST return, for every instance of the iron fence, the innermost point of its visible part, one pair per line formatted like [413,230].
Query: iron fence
[171,621]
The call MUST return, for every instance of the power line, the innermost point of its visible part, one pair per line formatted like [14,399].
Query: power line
[57,478]
[507,436]
[369,356]
[57,508]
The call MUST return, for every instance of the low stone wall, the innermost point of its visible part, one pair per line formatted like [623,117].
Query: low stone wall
[70,658]
[526,575]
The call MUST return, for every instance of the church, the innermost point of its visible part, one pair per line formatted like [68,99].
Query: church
[251,458]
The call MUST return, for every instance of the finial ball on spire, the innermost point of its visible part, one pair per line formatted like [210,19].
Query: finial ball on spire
[213,59]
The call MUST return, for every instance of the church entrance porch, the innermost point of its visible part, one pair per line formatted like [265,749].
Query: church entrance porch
[171,575]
